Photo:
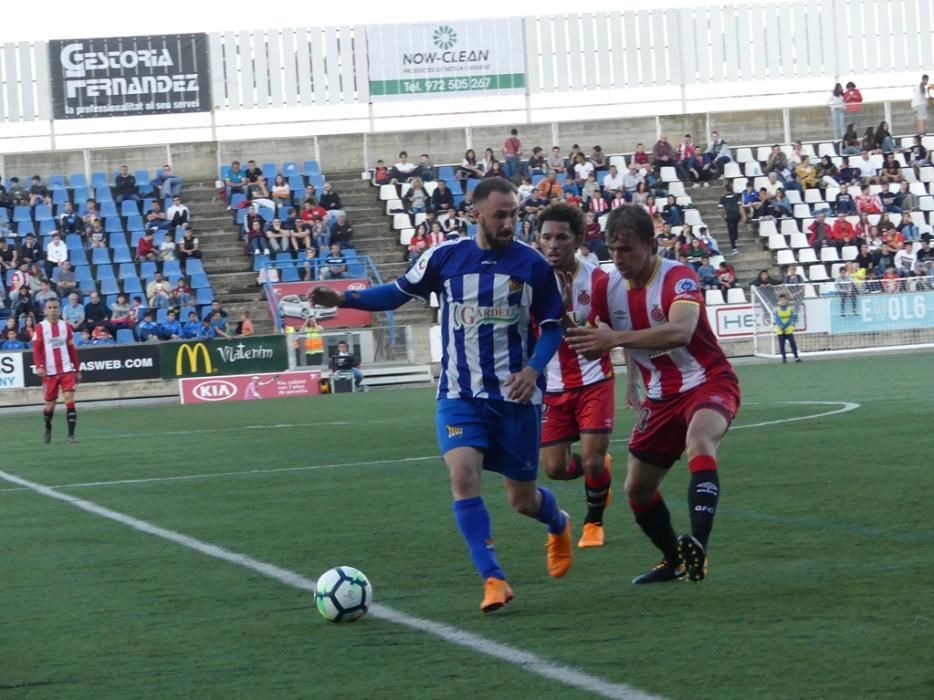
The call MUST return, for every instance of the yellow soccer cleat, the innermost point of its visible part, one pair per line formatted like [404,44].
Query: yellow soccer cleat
[496,594]
[592,535]
[560,551]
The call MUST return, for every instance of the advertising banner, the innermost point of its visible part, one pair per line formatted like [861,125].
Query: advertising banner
[109,363]
[11,370]
[292,307]
[205,358]
[445,59]
[884,312]
[130,75]
[245,387]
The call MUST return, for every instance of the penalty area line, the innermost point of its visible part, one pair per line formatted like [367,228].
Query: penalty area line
[525,660]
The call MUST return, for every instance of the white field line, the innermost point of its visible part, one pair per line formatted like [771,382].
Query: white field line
[525,660]
[845,407]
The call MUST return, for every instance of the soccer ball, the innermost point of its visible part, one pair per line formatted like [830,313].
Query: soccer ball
[343,594]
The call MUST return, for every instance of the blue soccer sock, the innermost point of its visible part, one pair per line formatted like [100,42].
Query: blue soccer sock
[549,513]
[474,523]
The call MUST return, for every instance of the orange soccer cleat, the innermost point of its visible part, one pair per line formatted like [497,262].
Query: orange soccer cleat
[496,594]
[592,535]
[560,551]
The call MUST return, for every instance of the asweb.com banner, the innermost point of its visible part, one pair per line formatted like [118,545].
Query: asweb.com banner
[446,58]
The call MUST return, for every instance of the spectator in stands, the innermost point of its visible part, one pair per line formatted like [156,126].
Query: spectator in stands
[206,330]
[170,329]
[698,170]
[234,182]
[686,149]
[158,292]
[556,162]
[30,250]
[96,236]
[867,260]
[95,311]
[39,193]
[56,252]
[320,234]
[167,248]
[281,192]
[663,154]
[612,183]
[45,294]
[418,244]
[417,199]
[330,200]
[778,163]
[11,342]
[867,169]
[191,326]
[549,188]
[837,113]
[137,310]
[765,285]
[730,208]
[726,278]
[536,164]
[442,199]
[177,214]
[278,238]
[258,194]
[24,307]
[842,228]
[849,146]
[8,258]
[312,212]
[908,228]
[120,314]
[867,203]
[342,230]
[215,307]
[846,290]
[917,156]
[496,170]
[19,280]
[584,254]
[525,191]
[219,325]
[707,273]
[920,95]
[718,152]
[794,285]
[426,170]
[853,101]
[146,247]
[345,361]
[69,221]
[125,186]
[188,246]
[883,138]
[147,328]
[779,204]
[904,259]
[891,170]
[469,167]
[335,266]
[820,232]
[827,172]
[380,173]
[244,325]
[167,183]
[403,169]
[891,281]
[17,193]
[253,172]
[309,195]
[925,256]
[256,241]
[155,216]
[868,142]
[640,194]
[67,280]
[807,173]
[632,179]
[181,294]
[512,152]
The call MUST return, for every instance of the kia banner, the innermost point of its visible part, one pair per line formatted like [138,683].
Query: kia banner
[249,387]
[289,302]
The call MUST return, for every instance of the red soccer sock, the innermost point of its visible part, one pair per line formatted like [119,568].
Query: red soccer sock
[597,488]
[574,469]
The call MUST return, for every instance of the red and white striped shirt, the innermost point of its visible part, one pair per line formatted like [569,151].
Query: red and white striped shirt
[666,373]
[50,349]
[567,369]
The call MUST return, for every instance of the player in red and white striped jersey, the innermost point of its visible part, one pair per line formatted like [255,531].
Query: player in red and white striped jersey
[579,395]
[654,309]
[55,358]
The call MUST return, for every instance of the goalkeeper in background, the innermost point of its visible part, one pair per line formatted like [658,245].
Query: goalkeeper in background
[784,319]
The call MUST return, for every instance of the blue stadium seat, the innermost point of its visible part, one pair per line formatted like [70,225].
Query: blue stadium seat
[267,213]
[240,216]
[22,214]
[147,269]
[446,172]
[129,207]
[316,179]
[289,168]
[4,217]
[472,184]
[46,227]
[126,270]
[80,198]
[103,194]
[108,208]
[100,180]
[270,170]
[100,256]
[109,286]
[132,285]
[134,238]
[77,180]
[117,239]
[57,182]
[173,279]
[311,167]
[78,257]
[25,227]
[122,255]
[59,197]
[297,184]
[57,275]
[104,272]
[143,179]
[74,242]
[87,286]
[259,262]
[204,295]
[162,315]
[289,274]
[42,213]
[113,224]
[171,267]
[538,177]
[356,270]
[134,222]
[194,265]
[147,203]
[125,336]
[236,199]
[224,171]
[283,257]
[110,299]
[199,280]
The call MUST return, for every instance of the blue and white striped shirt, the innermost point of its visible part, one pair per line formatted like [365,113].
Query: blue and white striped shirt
[489,302]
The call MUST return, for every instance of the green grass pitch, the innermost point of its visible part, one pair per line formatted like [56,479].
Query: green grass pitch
[820,581]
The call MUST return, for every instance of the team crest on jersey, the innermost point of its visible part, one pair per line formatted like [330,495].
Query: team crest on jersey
[455,431]
[683,286]
[657,314]
[583,298]
[515,285]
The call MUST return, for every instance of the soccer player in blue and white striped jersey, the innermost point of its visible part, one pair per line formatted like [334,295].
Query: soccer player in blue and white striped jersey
[500,325]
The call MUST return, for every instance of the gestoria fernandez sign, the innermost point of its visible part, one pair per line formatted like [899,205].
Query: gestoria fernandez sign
[446,58]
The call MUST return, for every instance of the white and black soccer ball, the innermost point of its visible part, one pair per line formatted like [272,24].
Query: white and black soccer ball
[343,594]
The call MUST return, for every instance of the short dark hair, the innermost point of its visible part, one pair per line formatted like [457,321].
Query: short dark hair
[563,212]
[514,132]
[490,185]
[630,219]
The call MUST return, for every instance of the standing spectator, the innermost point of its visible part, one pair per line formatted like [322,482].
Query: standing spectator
[512,152]
[330,200]
[167,183]
[146,247]
[919,103]
[837,113]
[95,312]
[784,320]
[732,214]
[125,186]
[158,292]
[177,214]
[244,325]
[335,266]
[73,312]
[234,182]
[846,290]
[403,169]
[188,246]
[853,102]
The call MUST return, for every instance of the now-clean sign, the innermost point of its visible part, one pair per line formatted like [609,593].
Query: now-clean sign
[446,59]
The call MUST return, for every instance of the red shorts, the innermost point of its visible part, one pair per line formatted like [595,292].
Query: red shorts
[52,383]
[589,409]
[658,437]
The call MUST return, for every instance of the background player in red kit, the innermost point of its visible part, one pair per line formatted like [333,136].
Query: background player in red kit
[654,308]
[579,396]
[56,360]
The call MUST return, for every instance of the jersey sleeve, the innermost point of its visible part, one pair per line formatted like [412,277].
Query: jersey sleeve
[423,277]
[681,285]
[38,348]
[547,304]
[599,304]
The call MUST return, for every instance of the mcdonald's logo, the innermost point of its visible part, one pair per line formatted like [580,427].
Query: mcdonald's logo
[192,352]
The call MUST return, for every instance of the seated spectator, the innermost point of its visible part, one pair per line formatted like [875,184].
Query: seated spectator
[849,145]
[556,162]
[891,281]
[402,170]
[281,192]
[215,307]
[867,203]
[598,158]
[171,329]
[125,186]
[698,170]
[155,216]
[695,253]
[177,214]
[612,183]
[30,250]
[778,163]
[845,202]
[418,244]
[188,246]
[525,191]
[206,330]
[44,295]
[312,212]
[95,235]
[219,325]
[584,254]
[18,194]
[820,233]
[191,327]
[717,153]
[496,170]
[549,188]
[137,310]
[917,156]
[685,149]
[146,247]
[590,189]
[235,182]
[335,266]
[469,167]
[807,173]
[381,173]
[663,154]
[279,239]
[253,172]
[633,178]
[749,200]
[904,260]
[258,194]
[82,337]
[891,170]
[641,159]
[536,164]
[827,173]
[120,314]
[925,256]
[426,171]
[19,282]
[56,253]
[309,195]
[843,228]
[244,325]
[780,204]
[29,328]
[256,241]
[442,199]
[867,169]
[908,228]
[73,312]
[320,235]
[167,248]
[11,342]
[69,221]
[436,235]
[342,230]
[726,277]
[703,235]
[345,361]
[158,292]
[39,193]
[868,142]
[330,200]
[417,199]
[181,295]
[167,183]
[95,312]
[147,328]
[707,273]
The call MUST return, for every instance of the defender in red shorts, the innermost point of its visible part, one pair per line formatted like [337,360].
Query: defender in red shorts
[56,360]
[580,393]
[654,309]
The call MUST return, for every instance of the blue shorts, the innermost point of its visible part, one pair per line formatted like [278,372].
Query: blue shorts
[507,433]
